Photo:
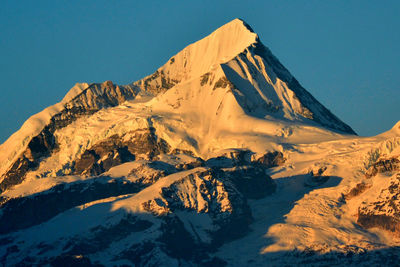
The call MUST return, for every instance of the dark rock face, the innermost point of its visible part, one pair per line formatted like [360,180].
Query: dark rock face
[271,159]
[383,213]
[223,82]
[357,190]
[157,83]
[16,173]
[205,78]
[384,222]
[382,166]
[114,151]
[235,157]
[42,145]
[222,194]
[198,162]
[240,157]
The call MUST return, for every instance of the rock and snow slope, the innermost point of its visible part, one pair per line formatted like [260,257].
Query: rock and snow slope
[219,144]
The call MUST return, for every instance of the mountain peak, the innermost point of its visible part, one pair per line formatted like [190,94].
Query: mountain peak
[208,53]
[263,86]
[225,82]
[237,26]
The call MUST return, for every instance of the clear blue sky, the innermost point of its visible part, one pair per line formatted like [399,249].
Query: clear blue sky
[346,53]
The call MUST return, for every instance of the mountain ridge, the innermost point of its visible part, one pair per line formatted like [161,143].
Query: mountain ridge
[218,50]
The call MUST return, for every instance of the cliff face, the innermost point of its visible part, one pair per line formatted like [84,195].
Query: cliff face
[383,211]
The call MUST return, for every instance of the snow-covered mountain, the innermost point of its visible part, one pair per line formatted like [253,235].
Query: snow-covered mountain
[209,91]
[218,148]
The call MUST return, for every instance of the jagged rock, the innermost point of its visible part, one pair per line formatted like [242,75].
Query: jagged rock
[150,172]
[157,83]
[271,159]
[357,190]
[384,212]
[318,171]
[40,146]
[382,166]
[238,156]
[198,162]
[116,150]
[381,221]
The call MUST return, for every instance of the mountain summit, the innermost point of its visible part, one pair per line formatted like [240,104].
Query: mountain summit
[205,55]
[215,91]
[218,148]
[261,85]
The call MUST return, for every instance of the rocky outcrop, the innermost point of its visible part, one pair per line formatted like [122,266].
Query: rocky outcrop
[385,222]
[39,147]
[157,83]
[221,194]
[384,212]
[357,190]
[271,159]
[383,166]
[117,149]
[240,157]
[150,172]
